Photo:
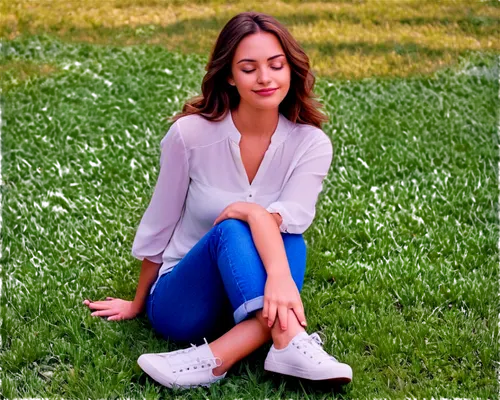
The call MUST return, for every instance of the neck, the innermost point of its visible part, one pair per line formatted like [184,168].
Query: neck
[255,123]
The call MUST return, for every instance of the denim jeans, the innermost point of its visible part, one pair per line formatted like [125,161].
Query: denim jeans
[218,283]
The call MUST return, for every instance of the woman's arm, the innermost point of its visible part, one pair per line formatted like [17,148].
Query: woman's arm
[277,217]
[149,273]
[280,293]
[297,201]
[118,309]
[156,226]
[164,210]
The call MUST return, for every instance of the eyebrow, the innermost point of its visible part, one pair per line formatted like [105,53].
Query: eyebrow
[270,58]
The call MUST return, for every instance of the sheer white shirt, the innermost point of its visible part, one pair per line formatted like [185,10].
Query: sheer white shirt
[201,173]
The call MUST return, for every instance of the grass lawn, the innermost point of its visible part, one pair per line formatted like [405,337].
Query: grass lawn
[402,276]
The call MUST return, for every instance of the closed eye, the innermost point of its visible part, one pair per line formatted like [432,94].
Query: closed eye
[247,72]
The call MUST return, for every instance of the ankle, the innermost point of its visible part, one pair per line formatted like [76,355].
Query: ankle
[225,364]
[281,338]
[220,370]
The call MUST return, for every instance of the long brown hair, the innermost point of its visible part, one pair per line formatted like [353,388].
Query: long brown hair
[218,96]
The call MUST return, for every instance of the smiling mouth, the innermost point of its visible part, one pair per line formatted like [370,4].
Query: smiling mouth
[265,90]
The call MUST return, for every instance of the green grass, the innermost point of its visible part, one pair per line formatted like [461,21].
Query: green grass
[345,39]
[402,271]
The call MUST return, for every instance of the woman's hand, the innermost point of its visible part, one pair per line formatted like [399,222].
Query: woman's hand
[238,210]
[114,309]
[280,295]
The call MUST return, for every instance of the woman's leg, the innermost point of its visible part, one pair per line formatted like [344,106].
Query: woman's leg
[248,336]
[224,265]
[187,303]
[245,285]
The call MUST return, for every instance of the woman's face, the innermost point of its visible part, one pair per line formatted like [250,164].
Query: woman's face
[260,63]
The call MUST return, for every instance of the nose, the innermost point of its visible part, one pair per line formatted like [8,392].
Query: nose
[263,76]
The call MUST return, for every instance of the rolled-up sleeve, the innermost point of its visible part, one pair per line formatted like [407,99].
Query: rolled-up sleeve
[164,210]
[297,202]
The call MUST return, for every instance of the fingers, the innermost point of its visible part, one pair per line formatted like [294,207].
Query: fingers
[283,317]
[104,309]
[221,216]
[88,302]
[100,305]
[299,313]
[233,210]
[265,309]
[224,215]
[272,314]
[219,219]
[104,313]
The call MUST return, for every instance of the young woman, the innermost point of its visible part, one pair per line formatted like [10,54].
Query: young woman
[221,241]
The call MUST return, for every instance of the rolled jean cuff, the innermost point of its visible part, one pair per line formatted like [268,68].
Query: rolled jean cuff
[248,307]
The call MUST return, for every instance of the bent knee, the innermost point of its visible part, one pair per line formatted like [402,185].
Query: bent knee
[233,224]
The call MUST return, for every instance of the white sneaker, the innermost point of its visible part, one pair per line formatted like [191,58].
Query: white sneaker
[182,368]
[304,357]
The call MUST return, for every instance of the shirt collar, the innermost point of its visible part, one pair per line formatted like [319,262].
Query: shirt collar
[279,135]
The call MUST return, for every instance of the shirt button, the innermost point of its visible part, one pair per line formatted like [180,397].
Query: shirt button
[250,195]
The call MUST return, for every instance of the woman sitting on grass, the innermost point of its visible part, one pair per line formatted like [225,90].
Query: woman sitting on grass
[241,169]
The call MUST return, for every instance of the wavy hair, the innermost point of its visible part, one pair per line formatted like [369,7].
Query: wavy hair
[218,96]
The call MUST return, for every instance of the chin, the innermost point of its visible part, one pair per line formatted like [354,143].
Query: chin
[264,103]
[267,102]
[268,106]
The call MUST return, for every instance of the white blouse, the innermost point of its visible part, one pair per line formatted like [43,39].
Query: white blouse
[201,173]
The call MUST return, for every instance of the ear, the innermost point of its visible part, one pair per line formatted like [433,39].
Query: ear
[230,80]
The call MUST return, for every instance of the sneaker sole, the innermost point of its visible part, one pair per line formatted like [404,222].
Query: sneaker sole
[149,369]
[342,376]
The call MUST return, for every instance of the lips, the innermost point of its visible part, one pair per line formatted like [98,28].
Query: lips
[265,90]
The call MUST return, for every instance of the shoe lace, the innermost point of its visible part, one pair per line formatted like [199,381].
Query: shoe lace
[317,338]
[180,362]
[313,345]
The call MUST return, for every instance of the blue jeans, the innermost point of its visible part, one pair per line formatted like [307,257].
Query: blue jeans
[218,283]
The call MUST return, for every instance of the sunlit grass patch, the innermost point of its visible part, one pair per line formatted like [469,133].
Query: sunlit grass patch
[345,39]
